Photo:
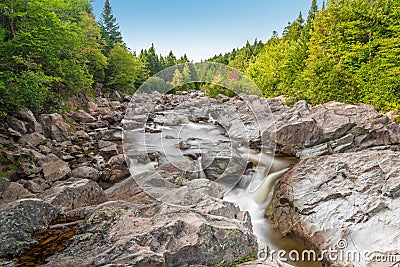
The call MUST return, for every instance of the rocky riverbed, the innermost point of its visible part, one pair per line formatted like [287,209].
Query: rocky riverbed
[68,197]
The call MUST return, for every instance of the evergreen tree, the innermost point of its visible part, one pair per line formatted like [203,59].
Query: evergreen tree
[109,27]
[310,18]
[170,60]
[151,61]
[183,59]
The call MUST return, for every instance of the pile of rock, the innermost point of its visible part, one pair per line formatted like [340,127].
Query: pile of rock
[72,201]
[64,205]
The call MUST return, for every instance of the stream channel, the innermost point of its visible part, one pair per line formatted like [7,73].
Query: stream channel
[250,186]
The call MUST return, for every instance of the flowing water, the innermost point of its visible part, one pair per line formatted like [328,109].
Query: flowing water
[253,190]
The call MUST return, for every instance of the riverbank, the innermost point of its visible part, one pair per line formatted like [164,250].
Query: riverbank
[68,178]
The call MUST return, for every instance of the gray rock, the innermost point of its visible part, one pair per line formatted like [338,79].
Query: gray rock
[82,116]
[222,98]
[92,107]
[31,123]
[33,187]
[10,191]
[346,197]
[85,172]
[114,171]
[82,135]
[19,220]
[103,144]
[219,164]
[28,169]
[161,235]
[74,193]
[128,190]
[54,171]
[14,133]
[330,128]
[49,158]
[206,187]
[111,134]
[115,105]
[4,183]
[114,117]
[17,125]
[44,149]
[108,151]
[54,127]
[178,172]
[33,139]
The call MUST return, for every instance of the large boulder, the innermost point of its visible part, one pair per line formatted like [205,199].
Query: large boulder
[17,125]
[57,170]
[83,116]
[85,172]
[347,201]
[31,123]
[128,190]
[19,220]
[159,235]
[330,128]
[11,191]
[34,139]
[74,194]
[54,127]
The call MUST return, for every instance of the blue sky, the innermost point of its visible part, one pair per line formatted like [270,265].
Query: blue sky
[200,28]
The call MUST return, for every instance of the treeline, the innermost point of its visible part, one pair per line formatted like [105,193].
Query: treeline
[51,50]
[348,51]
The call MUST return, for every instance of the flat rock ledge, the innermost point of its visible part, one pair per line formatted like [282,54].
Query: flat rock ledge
[349,202]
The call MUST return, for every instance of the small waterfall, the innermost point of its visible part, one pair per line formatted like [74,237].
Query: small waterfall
[202,174]
[254,192]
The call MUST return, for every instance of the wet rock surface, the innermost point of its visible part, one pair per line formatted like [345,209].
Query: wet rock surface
[19,220]
[70,199]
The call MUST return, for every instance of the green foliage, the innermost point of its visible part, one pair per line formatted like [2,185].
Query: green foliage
[156,84]
[240,58]
[123,70]
[353,54]
[45,51]
[27,89]
[151,61]
[51,50]
[177,80]
[349,51]
[212,90]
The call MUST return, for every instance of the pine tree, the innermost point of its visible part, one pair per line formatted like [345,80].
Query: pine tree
[109,27]
[183,59]
[170,60]
[151,60]
[311,15]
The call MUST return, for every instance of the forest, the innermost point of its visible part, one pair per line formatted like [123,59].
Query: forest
[51,50]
